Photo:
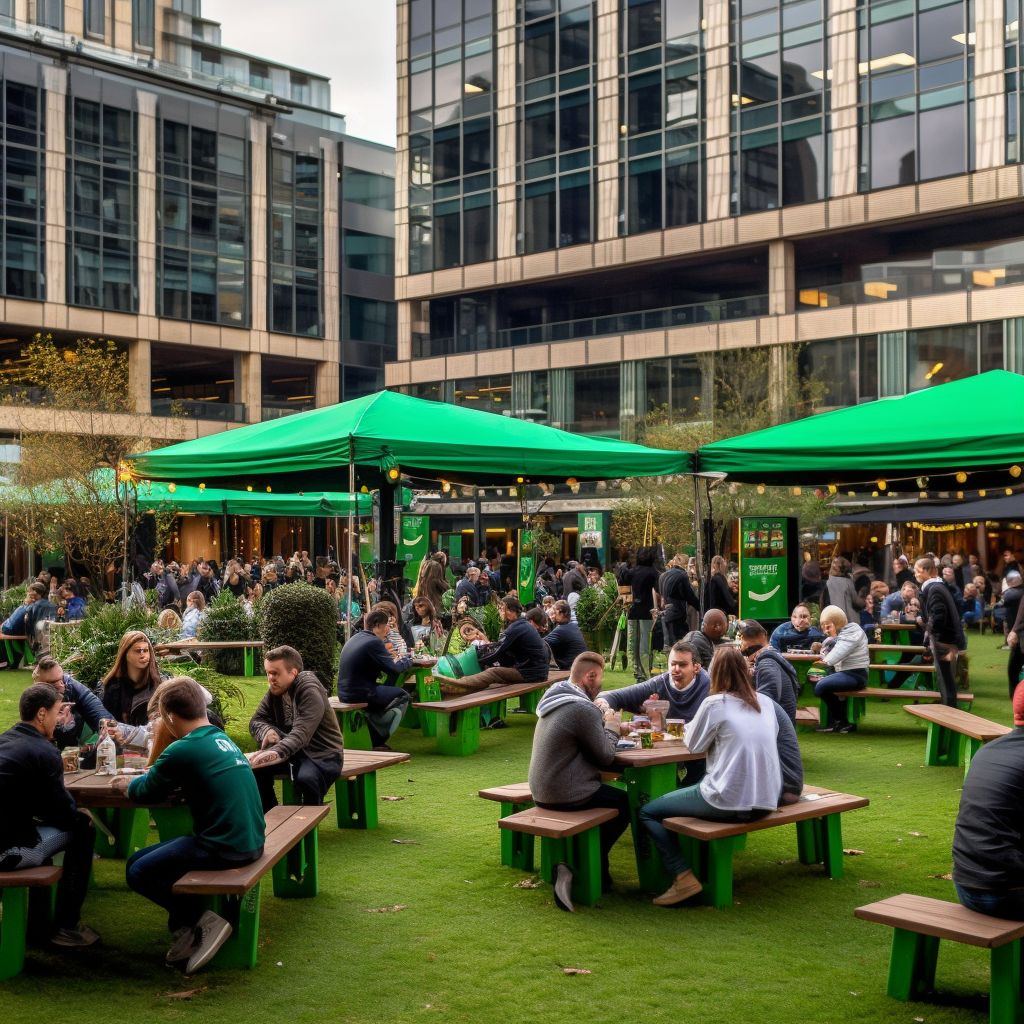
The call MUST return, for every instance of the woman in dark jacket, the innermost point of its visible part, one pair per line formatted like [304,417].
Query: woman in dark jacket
[719,593]
[133,680]
[644,582]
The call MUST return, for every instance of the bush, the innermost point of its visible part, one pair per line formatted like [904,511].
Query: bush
[492,624]
[227,619]
[304,617]
[223,690]
[11,598]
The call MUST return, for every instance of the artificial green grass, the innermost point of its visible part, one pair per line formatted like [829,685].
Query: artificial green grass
[469,946]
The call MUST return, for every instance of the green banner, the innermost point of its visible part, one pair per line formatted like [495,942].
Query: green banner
[593,527]
[415,541]
[764,568]
[526,577]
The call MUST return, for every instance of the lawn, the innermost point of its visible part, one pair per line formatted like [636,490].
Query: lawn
[469,946]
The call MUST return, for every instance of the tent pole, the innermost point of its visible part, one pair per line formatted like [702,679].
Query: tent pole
[698,530]
[351,530]
[5,551]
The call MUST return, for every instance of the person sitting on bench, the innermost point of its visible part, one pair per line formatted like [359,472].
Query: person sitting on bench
[520,655]
[566,638]
[738,728]
[573,743]
[845,651]
[83,707]
[296,727]
[798,634]
[14,624]
[710,636]
[227,820]
[772,674]
[39,817]
[363,658]
[988,842]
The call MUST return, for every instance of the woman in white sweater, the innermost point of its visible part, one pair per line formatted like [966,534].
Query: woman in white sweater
[845,651]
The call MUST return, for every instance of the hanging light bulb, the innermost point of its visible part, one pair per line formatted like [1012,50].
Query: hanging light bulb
[268,490]
[249,488]
[922,482]
[202,487]
[172,487]
[832,488]
[881,484]
[797,492]
[760,488]
[519,479]
[981,494]
[446,487]
[1009,490]
[1015,471]
[961,477]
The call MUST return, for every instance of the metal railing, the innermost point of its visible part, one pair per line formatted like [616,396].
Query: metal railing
[225,412]
[275,410]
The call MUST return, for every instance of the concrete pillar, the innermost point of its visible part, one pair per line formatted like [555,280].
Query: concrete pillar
[404,331]
[781,278]
[989,87]
[608,127]
[122,24]
[146,103]
[842,32]
[718,100]
[55,84]
[258,227]
[402,142]
[328,383]
[249,385]
[507,242]
[779,369]
[332,243]
[140,376]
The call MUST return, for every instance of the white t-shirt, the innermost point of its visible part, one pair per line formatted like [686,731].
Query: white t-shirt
[742,749]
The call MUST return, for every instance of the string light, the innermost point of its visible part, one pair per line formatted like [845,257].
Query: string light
[172,488]
[831,488]
[249,488]
[202,487]
[959,494]
[797,492]
[981,494]
[1015,471]
[881,484]
[760,488]
[961,477]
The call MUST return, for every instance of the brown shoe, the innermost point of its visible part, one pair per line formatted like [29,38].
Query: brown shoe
[684,886]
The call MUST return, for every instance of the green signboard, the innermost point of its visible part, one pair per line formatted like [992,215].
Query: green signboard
[526,577]
[593,527]
[414,545]
[769,568]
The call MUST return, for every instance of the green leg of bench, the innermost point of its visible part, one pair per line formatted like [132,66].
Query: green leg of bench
[971,747]
[516,847]
[856,708]
[831,827]
[529,701]
[250,660]
[718,886]
[30,658]
[943,747]
[808,841]
[460,735]
[355,801]
[964,705]
[739,842]
[13,932]
[583,855]
[243,913]
[9,653]
[297,874]
[172,822]
[1005,990]
[427,689]
[491,712]
[354,729]
[911,964]
[644,785]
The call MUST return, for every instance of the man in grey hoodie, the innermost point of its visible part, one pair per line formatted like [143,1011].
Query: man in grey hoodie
[572,744]
[773,674]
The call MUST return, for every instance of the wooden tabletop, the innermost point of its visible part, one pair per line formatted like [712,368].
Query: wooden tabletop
[801,656]
[93,790]
[909,648]
[647,757]
[205,645]
[899,625]
[340,705]
[976,727]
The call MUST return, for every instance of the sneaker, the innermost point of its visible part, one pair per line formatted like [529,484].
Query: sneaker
[75,938]
[563,888]
[212,931]
[684,886]
[847,727]
[185,943]
[498,723]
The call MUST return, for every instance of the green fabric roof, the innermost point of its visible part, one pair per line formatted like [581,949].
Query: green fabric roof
[939,430]
[426,439]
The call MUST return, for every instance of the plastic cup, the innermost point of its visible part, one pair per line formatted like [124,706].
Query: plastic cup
[675,727]
[70,758]
[646,738]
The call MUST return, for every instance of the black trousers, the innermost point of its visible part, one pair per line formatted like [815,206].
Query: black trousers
[674,629]
[311,778]
[606,796]
[1014,666]
[945,674]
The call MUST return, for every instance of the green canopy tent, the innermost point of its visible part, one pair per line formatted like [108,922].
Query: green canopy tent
[937,432]
[156,496]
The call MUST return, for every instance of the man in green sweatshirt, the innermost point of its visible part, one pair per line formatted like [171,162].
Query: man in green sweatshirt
[227,820]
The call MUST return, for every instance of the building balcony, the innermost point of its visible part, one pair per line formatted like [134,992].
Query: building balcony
[224,412]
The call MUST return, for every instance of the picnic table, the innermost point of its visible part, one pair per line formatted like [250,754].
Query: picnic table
[898,632]
[15,645]
[421,678]
[802,662]
[249,646]
[949,729]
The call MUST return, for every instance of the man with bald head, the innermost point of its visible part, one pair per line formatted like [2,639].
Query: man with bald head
[709,636]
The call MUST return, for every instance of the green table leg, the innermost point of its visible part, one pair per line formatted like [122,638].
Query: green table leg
[644,784]
[13,932]
[583,855]
[355,801]
[243,913]
[172,822]
[296,875]
[516,847]
[912,965]
[856,709]
[30,658]
[1005,990]
[130,828]
[971,747]
[460,735]
[831,827]
[250,660]
[427,689]
[943,747]
[808,841]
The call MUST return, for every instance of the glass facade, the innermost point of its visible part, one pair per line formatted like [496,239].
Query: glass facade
[296,243]
[486,394]
[916,65]
[780,100]
[144,23]
[102,206]
[24,169]
[369,339]
[373,253]
[1011,30]
[662,125]
[366,189]
[451,140]
[203,241]
[673,387]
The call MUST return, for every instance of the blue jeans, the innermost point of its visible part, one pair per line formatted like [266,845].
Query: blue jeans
[682,803]
[827,688]
[152,873]
[1005,903]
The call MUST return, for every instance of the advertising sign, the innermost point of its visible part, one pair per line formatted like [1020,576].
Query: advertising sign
[593,533]
[769,568]
[414,544]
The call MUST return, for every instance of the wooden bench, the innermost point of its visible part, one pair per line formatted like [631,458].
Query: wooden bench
[919,923]
[516,847]
[569,836]
[819,838]
[856,700]
[290,853]
[949,729]
[15,646]
[808,718]
[248,646]
[15,887]
[910,669]
[353,724]
[462,734]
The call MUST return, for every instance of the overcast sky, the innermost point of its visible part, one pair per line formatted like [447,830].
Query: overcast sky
[350,41]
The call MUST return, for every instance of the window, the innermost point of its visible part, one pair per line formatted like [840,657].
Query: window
[24,167]
[296,243]
[941,354]
[373,253]
[673,387]
[288,386]
[144,23]
[366,189]
[486,394]
[50,14]
[596,400]
[95,24]
[830,368]
[369,320]
[102,207]
[203,258]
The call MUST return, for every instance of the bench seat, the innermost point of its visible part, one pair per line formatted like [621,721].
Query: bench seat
[569,836]
[353,724]
[15,646]
[17,911]
[709,845]
[953,734]
[808,717]
[289,853]
[919,923]
[856,700]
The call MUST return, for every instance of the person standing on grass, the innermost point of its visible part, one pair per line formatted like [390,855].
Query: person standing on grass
[676,594]
[297,730]
[944,630]
[39,818]
[573,743]
[1015,642]
[227,820]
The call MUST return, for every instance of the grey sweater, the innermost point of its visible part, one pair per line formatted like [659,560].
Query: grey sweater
[302,717]
[570,748]
[789,754]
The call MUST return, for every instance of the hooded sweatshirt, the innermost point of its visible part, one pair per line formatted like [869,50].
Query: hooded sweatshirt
[775,676]
[848,650]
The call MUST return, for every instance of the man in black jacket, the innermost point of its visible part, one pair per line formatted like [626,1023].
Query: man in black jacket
[773,674]
[363,658]
[519,656]
[565,639]
[39,817]
[945,631]
[676,593]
